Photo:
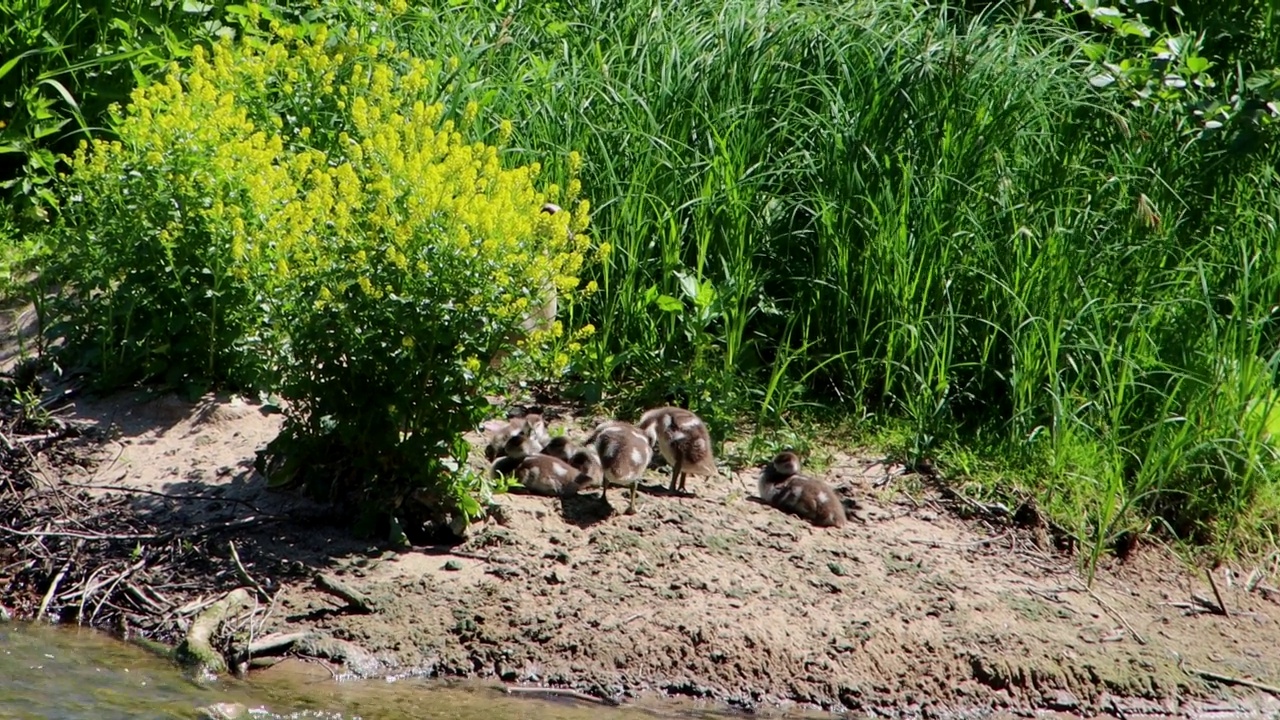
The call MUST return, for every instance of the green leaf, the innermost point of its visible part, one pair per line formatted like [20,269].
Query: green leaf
[1197,64]
[706,294]
[666,303]
[12,62]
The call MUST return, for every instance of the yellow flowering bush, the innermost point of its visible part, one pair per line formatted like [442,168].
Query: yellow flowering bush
[305,212]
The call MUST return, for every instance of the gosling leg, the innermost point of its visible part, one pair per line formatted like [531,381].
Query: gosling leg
[631,506]
[675,473]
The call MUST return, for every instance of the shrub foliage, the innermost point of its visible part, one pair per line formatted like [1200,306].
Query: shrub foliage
[304,216]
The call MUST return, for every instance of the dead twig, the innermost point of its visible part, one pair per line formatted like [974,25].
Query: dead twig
[119,578]
[1228,679]
[145,602]
[337,588]
[244,575]
[57,580]
[560,692]
[274,644]
[1113,612]
[1222,606]
[964,545]
[79,536]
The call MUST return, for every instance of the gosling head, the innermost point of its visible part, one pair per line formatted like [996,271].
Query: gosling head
[786,463]
[560,447]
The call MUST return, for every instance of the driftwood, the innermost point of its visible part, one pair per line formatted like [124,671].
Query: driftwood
[1230,679]
[355,599]
[559,692]
[354,657]
[274,644]
[196,650]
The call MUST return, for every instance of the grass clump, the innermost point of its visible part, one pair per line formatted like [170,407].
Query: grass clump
[926,218]
[304,216]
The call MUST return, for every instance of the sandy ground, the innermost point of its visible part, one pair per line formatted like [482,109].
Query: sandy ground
[908,610]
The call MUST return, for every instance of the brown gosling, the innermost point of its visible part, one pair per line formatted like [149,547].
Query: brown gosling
[561,447]
[587,463]
[623,452]
[683,440]
[503,432]
[546,475]
[783,486]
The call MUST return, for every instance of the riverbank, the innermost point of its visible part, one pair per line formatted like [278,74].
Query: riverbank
[918,607]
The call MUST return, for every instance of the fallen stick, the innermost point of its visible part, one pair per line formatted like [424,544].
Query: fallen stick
[57,580]
[274,644]
[141,598]
[1232,680]
[244,575]
[119,578]
[559,692]
[196,648]
[961,546]
[1114,613]
[335,587]
[79,536]
[1222,606]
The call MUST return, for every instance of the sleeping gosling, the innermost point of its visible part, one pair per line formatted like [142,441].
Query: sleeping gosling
[546,475]
[783,486]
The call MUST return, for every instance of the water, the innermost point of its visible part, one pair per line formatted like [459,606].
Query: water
[58,673]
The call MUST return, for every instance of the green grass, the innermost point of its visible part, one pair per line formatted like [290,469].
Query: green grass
[885,211]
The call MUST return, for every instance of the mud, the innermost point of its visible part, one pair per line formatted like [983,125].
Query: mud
[907,610]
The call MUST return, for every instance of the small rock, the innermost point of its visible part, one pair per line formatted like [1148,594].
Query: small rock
[453,565]
[1060,700]
[223,711]
[928,516]
[836,569]
[557,577]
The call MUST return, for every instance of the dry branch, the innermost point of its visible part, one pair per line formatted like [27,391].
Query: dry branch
[560,692]
[356,599]
[1222,606]
[57,580]
[197,648]
[244,575]
[1232,680]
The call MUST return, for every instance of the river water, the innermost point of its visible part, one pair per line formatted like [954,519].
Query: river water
[59,673]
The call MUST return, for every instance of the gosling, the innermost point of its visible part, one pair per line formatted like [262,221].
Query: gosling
[561,447]
[683,440]
[531,426]
[623,452]
[783,486]
[546,475]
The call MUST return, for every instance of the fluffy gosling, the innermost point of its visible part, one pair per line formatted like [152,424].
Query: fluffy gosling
[502,432]
[683,440]
[546,475]
[623,452]
[783,486]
